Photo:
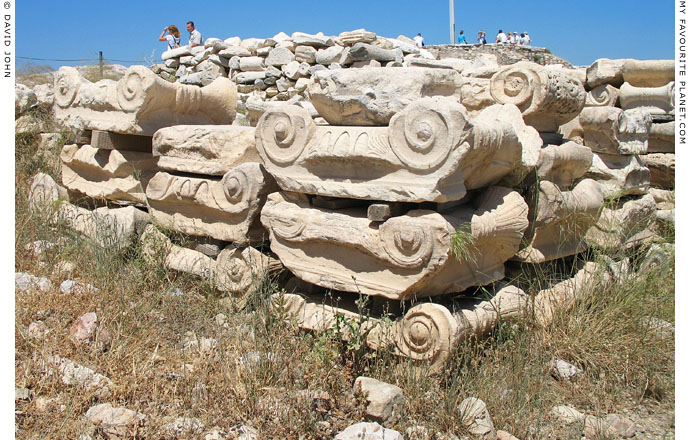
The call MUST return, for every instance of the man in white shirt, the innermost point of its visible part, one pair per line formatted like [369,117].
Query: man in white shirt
[194,35]
[419,40]
[501,37]
[528,40]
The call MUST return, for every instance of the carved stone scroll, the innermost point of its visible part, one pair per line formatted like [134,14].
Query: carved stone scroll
[614,131]
[45,192]
[432,151]
[204,149]
[117,175]
[403,257]
[547,98]
[371,96]
[649,73]
[560,221]
[604,95]
[224,209]
[619,175]
[662,138]
[655,100]
[625,226]
[563,164]
[234,270]
[140,102]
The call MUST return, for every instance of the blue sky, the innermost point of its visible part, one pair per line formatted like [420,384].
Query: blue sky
[579,31]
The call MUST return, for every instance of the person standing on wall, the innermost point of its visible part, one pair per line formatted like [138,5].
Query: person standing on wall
[461,37]
[173,38]
[419,40]
[194,35]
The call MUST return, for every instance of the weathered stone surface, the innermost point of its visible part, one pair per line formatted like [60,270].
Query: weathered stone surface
[604,95]
[662,138]
[371,96]
[605,71]
[385,402]
[446,63]
[318,40]
[252,64]
[234,51]
[234,270]
[45,192]
[564,370]
[564,294]
[249,77]
[305,54]
[45,96]
[509,304]
[106,227]
[563,164]
[662,169]
[116,175]
[619,175]
[656,100]
[567,414]
[223,209]
[204,149]
[411,254]
[329,55]
[560,221]
[546,97]
[366,52]
[614,131]
[24,98]
[115,141]
[474,415]
[25,281]
[664,199]
[649,73]
[624,226]
[431,151]
[115,423]
[368,431]
[350,38]
[291,70]
[77,375]
[176,53]
[140,102]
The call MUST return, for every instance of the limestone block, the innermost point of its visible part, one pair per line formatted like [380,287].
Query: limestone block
[44,192]
[140,102]
[220,61]
[288,44]
[45,96]
[649,73]
[404,257]
[385,402]
[474,415]
[211,150]
[210,42]
[563,164]
[614,131]
[368,431]
[252,64]
[249,77]
[222,209]
[329,55]
[319,40]
[203,78]
[624,226]
[360,64]
[116,175]
[202,56]
[234,51]
[186,60]
[564,294]
[234,270]
[619,175]
[446,63]
[406,46]
[547,98]
[284,84]
[573,131]
[662,169]
[662,138]
[560,221]
[605,71]
[305,54]
[292,70]
[173,63]
[233,41]
[24,98]
[432,151]
[351,38]
[366,52]
[371,96]
[280,36]
[176,53]
[264,51]
[252,44]
[656,100]
[301,84]
[107,227]
[604,95]
[664,199]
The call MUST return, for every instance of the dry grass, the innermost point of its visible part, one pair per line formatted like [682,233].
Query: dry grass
[261,365]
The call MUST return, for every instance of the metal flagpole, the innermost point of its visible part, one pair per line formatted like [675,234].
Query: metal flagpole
[452,21]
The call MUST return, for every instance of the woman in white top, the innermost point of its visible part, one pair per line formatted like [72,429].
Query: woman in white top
[173,38]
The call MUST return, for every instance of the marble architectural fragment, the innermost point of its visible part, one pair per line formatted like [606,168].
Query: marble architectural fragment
[649,73]
[45,192]
[117,175]
[371,96]
[223,209]
[662,169]
[656,100]
[432,151]
[350,38]
[546,97]
[140,102]
[604,95]
[107,140]
[619,175]
[559,221]
[623,226]
[563,164]
[615,131]
[662,138]
[405,256]
[366,52]
[605,71]
[211,150]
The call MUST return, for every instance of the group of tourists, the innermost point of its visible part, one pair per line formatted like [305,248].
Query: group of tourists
[513,38]
[173,36]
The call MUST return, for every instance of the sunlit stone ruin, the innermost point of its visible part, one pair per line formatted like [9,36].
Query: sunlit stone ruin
[400,186]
